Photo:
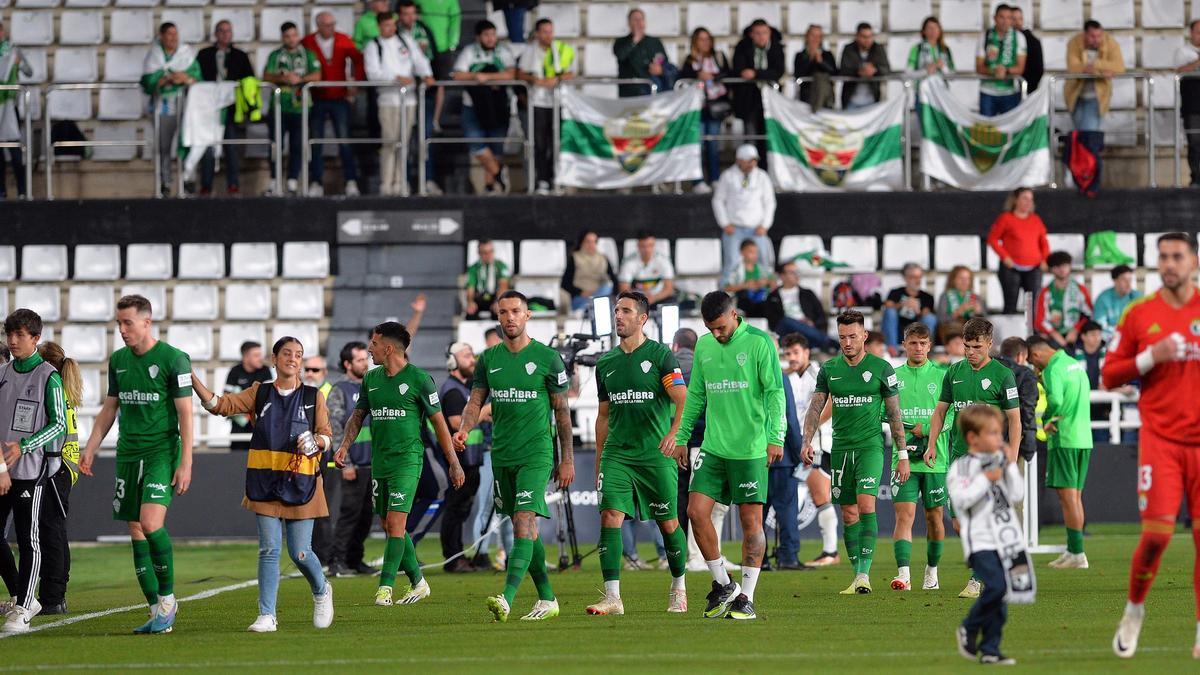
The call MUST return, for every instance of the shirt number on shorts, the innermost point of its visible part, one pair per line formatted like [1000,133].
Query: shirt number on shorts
[1144,477]
[836,475]
[120,488]
[698,461]
[600,482]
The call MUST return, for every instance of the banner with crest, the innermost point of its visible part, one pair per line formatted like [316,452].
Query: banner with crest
[834,150]
[971,152]
[629,142]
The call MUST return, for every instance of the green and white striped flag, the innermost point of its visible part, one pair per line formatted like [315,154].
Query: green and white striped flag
[628,142]
[968,151]
[834,150]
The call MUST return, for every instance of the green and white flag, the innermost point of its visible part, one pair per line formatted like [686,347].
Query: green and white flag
[968,151]
[834,150]
[627,142]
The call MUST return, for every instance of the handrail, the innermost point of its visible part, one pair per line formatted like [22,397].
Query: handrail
[1147,93]
[25,145]
[275,141]
[51,144]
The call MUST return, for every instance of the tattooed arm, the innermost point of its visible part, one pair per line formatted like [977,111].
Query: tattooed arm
[470,417]
[812,422]
[566,450]
[895,422]
[353,426]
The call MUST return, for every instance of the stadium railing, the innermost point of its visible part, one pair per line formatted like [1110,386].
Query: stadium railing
[23,144]
[1147,80]
[275,141]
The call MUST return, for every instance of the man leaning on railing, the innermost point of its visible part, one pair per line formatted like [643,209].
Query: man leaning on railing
[167,70]
[11,62]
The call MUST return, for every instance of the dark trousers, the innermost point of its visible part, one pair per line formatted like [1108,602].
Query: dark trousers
[1191,127]
[354,519]
[1013,280]
[681,497]
[782,496]
[456,508]
[8,564]
[323,528]
[56,551]
[13,157]
[756,126]
[291,127]
[26,500]
[338,112]
[233,160]
[817,339]
[988,614]
[543,144]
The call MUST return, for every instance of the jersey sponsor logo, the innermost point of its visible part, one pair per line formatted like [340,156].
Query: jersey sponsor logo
[120,371]
[937,492]
[891,380]
[1010,393]
[741,358]
[153,370]
[834,378]
[397,496]
[386,413]
[630,396]
[135,397]
[403,389]
[751,487]
[725,386]
[530,367]
[610,374]
[868,481]
[917,412]
[513,395]
[157,488]
[524,497]
[562,377]
[660,509]
[645,366]
[371,389]
[866,376]
[494,370]
[184,380]
[985,383]
[957,382]
[433,399]
[853,401]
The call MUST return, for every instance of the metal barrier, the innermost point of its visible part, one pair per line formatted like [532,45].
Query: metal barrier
[24,145]
[582,82]
[1147,94]
[50,145]
[275,141]
[425,141]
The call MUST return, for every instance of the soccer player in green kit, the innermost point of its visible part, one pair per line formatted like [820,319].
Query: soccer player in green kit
[526,380]
[920,386]
[976,379]
[738,383]
[636,470]
[862,387]
[399,397]
[150,384]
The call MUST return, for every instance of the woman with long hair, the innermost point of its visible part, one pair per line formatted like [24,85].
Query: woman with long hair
[708,64]
[283,474]
[589,272]
[931,55]
[1018,236]
[959,302]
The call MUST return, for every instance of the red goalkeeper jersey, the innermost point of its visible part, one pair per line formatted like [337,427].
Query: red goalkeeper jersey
[1168,405]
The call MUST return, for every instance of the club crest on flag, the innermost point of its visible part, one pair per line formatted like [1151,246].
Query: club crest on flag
[645,366]
[831,146]
[633,135]
[986,144]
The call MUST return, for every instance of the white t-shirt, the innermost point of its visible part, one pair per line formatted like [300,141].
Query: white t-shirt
[647,277]
[1187,53]
[533,61]
[326,47]
[473,58]
[791,302]
[385,59]
[803,385]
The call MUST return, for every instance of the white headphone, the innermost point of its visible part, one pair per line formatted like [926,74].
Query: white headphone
[452,354]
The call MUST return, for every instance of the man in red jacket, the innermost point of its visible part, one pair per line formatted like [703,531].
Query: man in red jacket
[340,61]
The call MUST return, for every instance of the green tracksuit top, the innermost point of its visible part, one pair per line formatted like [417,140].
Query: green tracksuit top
[1068,402]
[739,386]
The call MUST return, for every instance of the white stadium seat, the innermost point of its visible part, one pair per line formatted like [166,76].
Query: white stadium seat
[606,19]
[86,302]
[960,15]
[301,301]
[1152,282]
[853,12]
[42,298]
[1163,13]
[802,13]
[75,64]
[598,60]
[543,257]
[247,302]
[859,252]
[1121,127]
[190,23]
[201,261]
[116,131]
[1061,15]
[664,16]
[269,22]
[31,27]
[8,263]
[963,49]
[4,301]
[43,262]
[97,262]
[542,330]
[242,20]
[565,17]
[194,339]
[84,27]
[1054,51]
[86,344]
[92,393]
[1101,281]
[81,3]
[608,246]
[36,58]
[148,262]
[1158,52]
[906,15]
[1150,249]
[186,3]
[504,249]
[195,302]
[471,332]
[994,297]
[711,15]
[306,259]
[1113,13]
[697,257]
[950,250]
[131,27]
[121,104]
[253,261]
[69,104]
[236,2]
[306,332]
[771,12]
[234,334]
[901,249]
[155,293]
[1071,243]
[136,3]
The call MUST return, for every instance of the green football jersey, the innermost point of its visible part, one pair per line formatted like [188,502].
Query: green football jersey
[639,408]
[919,390]
[993,384]
[520,385]
[1068,393]
[398,406]
[146,387]
[858,393]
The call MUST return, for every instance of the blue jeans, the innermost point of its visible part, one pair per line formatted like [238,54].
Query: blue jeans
[473,129]
[579,302]
[291,126]
[1086,115]
[988,614]
[514,20]
[629,538]
[891,325]
[233,158]
[991,105]
[339,113]
[781,496]
[816,339]
[731,245]
[299,541]
[710,151]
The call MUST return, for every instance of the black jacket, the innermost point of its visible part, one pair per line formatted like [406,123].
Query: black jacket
[852,61]
[804,66]
[687,70]
[1035,67]
[237,64]
[1027,394]
[809,302]
[747,101]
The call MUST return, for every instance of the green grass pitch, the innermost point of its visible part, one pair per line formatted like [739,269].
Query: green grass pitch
[803,623]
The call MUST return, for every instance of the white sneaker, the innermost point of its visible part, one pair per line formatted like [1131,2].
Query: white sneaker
[270,191]
[543,188]
[265,623]
[696,566]
[417,594]
[678,603]
[293,186]
[1075,561]
[316,190]
[432,189]
[323,608]
[1058,562]
[702,189]
[542,610]
[635,564]
[20,618]
[1125,641]
[609,605]
[383,596]
[972,589]
[730,567]
[352,188]
[931,579]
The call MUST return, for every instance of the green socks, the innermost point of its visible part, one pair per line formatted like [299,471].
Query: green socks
[393,553]
[409,562]
[866,541]
[676,545]
[518,563]
[537,571]
[850,535]
[1074,541]
[141,567]
[163,558]
[611,552]
[903,551]
[933,552]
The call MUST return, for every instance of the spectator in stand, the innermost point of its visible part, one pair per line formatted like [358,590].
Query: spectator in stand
[487,278]
[639,56]
[367,27]
[491,338]
[817,63]
[249,370]
[648,271]
[1018,236]
[1092,52]
[1111,302]
[1014,354]
[708,64]
[758,57]
[545,63]
[458,502]
[930,56]
[391,58]
[354,515]
[11,63]
[485,107]
[1001,55]
[418,34]
[444,18]
[956,348]
[290,67]
[589,272]
[514,17]
[906,304]
[169,67]
[959,302]
[864,57]
[340,61]
[744,207]
[1063,306]
[222,62]
[1092,346]
[876,344]
[1187,62]
[750,281]
[1035,65]
[792,308]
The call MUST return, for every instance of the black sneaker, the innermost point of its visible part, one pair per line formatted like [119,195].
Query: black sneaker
[337,569]
[365,569]
[719,598]
[741,609]
[966,644]
[997,660]
[53,608]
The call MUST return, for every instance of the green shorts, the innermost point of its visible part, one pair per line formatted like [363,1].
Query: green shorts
[393,493]
[522,488]
[646,490]
[143,481]
[854,473]
[930,486]
[1067,467]
[730,481]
